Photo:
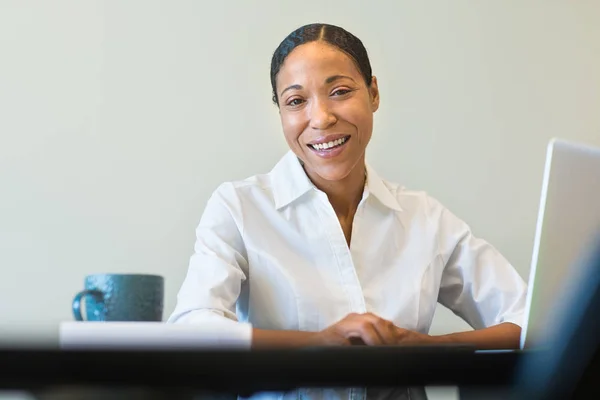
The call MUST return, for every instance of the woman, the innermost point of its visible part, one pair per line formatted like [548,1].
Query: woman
[321,250]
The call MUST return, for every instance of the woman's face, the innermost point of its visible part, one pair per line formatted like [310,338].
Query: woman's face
[326,110]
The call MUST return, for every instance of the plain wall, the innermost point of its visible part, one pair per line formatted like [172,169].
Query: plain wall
[118,120]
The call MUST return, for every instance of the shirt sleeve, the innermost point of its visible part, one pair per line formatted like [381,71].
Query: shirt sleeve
[217,269]
[478,284]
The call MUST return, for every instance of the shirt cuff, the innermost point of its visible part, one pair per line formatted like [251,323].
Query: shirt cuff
[517,319]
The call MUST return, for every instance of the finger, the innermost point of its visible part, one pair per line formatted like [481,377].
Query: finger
[361,327]
[387,331]
[367,332]
[385,328]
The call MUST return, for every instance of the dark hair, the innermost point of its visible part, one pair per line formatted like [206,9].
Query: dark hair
[333,35]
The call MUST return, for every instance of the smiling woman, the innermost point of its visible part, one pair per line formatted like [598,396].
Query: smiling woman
[327,97]
[321,250]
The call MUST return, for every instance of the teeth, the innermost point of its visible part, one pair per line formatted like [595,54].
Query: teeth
[328,145]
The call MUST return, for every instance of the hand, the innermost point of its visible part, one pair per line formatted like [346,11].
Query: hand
[368,329]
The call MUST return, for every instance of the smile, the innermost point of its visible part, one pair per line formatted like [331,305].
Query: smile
[329,146]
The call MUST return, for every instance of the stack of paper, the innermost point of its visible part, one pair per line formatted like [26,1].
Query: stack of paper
[147,335]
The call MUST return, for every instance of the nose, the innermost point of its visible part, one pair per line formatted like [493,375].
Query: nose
[321,116]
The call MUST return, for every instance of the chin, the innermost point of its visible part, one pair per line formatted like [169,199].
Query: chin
[336,172]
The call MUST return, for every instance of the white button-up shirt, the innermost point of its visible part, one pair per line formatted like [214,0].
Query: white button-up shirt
[270,253]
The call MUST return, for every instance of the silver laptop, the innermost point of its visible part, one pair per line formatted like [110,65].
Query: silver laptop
[568,223]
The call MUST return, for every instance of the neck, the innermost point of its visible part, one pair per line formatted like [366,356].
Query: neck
[345,194]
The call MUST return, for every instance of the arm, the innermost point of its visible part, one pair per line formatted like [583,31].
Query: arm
[479,285]
[216,270]
[215,275]
[503,336]
[262,339]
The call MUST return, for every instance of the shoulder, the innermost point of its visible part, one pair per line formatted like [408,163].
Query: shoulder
[424,215]
[231,201]
[285,183]
[421,205]
[414,201]
[263,191]
[237,191]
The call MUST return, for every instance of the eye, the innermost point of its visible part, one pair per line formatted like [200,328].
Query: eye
[340,92]
[295,102]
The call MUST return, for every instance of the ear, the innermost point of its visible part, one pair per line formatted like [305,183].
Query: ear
[374,92]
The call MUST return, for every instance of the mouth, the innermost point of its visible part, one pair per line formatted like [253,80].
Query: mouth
[329,147]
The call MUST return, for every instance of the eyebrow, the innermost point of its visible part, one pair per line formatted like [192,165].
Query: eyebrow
[337,77]
[297,87]
[331,79]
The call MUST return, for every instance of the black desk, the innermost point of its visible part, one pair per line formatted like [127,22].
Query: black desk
[248,371]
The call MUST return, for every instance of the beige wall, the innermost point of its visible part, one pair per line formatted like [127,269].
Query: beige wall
[118,119]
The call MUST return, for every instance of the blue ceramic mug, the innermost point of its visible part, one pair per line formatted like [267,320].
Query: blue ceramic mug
[121,297]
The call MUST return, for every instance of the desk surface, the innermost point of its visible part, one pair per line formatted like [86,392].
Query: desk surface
[248,371]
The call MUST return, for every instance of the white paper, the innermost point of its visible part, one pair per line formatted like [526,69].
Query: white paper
[149,335]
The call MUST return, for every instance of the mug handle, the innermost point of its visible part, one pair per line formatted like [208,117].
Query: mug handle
[77,301]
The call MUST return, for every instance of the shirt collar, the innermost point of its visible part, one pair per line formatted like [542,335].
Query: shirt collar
[377,187]
[290,182]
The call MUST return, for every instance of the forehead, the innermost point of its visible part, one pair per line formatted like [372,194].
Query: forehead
[317,60]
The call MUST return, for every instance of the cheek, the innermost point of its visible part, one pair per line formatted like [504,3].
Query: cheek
[368,126]
[292,129]
[363,120]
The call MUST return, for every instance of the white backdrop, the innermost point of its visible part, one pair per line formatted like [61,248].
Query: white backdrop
[118,119]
